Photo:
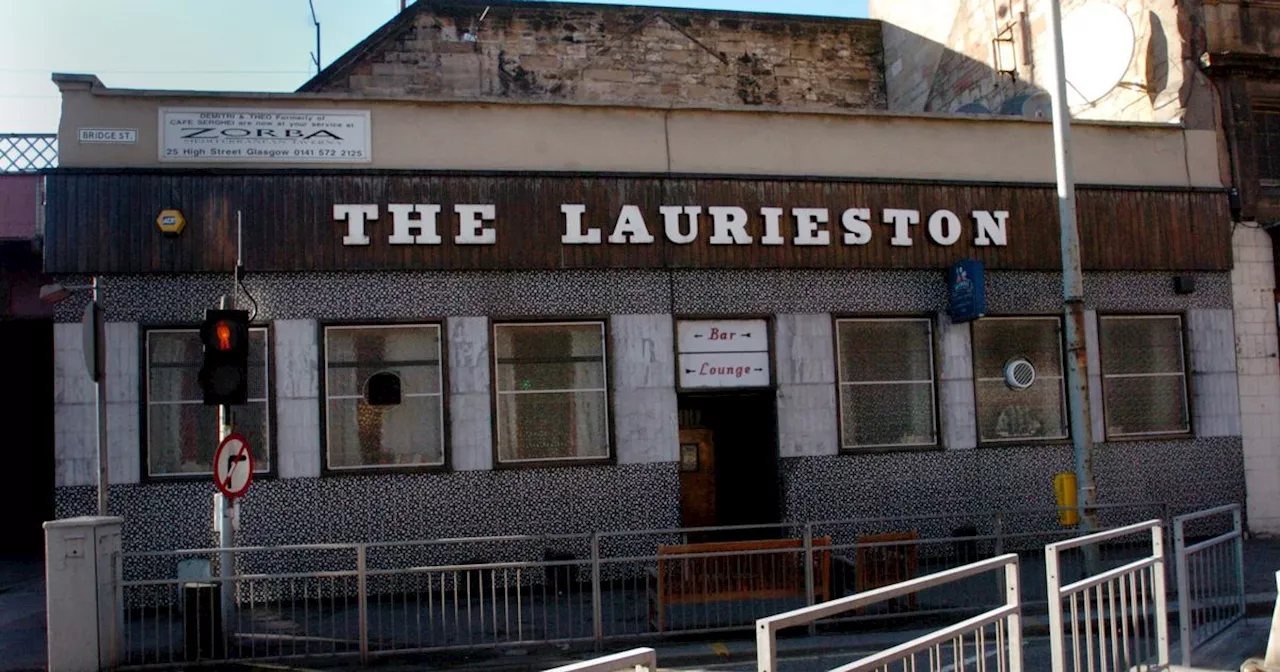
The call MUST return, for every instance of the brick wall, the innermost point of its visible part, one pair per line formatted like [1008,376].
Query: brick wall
[617,54]
[940,60]
[1252,284]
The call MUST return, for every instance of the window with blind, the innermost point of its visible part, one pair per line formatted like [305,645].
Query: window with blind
[551,391]
[1006,412]
[361,435]
[1144,379]
[182,433]
[886,383]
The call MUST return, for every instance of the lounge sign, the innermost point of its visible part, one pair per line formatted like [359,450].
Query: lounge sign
[723,353]
[478,224]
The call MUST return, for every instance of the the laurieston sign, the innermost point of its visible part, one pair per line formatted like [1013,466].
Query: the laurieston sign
[477,224]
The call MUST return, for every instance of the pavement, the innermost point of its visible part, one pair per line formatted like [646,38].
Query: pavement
[22,623]
[23,635]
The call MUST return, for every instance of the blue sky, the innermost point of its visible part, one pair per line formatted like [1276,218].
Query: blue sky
[244,45]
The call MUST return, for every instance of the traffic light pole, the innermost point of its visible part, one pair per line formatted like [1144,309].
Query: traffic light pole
[100,401]
[226,512]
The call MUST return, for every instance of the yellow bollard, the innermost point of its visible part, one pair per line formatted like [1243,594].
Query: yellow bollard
[1064,490]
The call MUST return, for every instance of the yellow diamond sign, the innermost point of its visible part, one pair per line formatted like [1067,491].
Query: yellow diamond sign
[171,222]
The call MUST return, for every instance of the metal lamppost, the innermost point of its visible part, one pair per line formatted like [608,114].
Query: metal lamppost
[95,359]
[1072,285]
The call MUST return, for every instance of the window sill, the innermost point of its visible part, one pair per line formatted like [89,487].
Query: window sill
[557,464]
[881,450]
[1143,438]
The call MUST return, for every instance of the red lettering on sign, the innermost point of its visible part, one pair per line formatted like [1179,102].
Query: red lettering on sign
[707,369]
[717,335]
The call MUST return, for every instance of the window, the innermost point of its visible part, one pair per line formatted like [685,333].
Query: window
[1009,412]
[551,391]
[364,435]
[182,433]
[1266,125]
[1144,381]
[886,383]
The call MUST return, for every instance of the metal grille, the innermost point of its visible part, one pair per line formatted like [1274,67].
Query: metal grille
[886,382]
[1009,413]
[27,153]
[1144,375]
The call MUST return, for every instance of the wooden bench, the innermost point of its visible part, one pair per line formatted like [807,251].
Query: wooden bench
[732,575]
[884,563]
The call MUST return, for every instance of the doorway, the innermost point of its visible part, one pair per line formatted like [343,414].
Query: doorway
[729,460]
[26,408]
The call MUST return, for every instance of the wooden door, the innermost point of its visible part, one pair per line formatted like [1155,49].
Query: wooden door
[697,478]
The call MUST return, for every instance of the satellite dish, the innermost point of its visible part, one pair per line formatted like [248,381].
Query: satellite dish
[1029,106]
[1097,44]
[973,108]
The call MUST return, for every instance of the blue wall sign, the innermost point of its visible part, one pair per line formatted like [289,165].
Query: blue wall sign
[967,287]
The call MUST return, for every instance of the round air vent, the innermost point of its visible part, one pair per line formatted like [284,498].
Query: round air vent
[1019,374]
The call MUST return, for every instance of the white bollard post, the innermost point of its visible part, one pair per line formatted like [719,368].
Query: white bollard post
[84,599]
[1273,642]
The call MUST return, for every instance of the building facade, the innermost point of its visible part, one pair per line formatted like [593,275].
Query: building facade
[1204,66]
[609,317]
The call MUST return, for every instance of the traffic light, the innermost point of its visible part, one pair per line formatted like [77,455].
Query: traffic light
[224,375]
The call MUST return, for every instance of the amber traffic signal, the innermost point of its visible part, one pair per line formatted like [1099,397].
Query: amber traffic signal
[224,374]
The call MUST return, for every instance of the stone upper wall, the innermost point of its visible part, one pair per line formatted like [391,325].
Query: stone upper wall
[608,54]
[1242,27]
[940,60]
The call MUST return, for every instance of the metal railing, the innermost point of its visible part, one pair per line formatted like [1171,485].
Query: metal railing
[28,152]
[635,659]
[948,647]
[381,598]
[1210,575]
[1118,617]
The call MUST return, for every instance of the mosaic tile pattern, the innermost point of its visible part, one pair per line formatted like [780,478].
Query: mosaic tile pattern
[160,299]
[399,507]
[1185,475]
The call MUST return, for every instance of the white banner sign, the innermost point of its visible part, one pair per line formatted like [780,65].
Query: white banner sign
[117,136]
[723,336]
[264,136]
[724,369]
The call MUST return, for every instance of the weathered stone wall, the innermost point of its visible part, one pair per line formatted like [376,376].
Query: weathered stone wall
[1241,27]
[940,60]
[618,55]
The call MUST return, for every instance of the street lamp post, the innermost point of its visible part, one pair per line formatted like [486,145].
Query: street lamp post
[96,363]
[1072,286]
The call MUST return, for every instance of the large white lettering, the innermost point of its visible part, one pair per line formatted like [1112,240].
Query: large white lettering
[630,227]
[671,222]
[772,226]
[901,220]
[355,216]
[728,226]
[471,229]
[573,233]
[991,229]
[807,222]
[419,224]
[404,224]
[944,227]
[857,226]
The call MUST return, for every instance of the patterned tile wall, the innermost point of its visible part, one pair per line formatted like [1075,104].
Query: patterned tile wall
[361,508]
[386,295]
[1187,475]
[396,507]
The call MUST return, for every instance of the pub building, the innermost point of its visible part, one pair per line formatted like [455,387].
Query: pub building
[628,317]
